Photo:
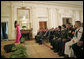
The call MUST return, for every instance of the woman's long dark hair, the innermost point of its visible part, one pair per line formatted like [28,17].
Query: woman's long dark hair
[15,24]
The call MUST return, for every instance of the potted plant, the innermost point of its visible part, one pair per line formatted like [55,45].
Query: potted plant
[24,27]
[2,56]
[19,52]
[22,40]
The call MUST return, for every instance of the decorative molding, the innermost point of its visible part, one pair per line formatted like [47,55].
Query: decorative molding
[52,3]
[42,17]
[4,16]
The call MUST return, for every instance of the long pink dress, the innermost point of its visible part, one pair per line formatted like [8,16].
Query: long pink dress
[18,35]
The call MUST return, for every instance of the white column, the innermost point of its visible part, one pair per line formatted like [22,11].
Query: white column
[48,23]
[59,17]
[13,17]
[52,17]
[81,16]
[57,21]
[10,25]
[34,21]
[49,18]
[73,17]
[77,16]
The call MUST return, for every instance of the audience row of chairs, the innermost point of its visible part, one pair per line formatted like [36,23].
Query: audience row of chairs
[66,40]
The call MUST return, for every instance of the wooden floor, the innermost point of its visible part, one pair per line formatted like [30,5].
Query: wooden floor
[34,50]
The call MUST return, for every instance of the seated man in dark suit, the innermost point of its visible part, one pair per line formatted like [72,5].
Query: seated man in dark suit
[45,34]
[51,35]
[63,35]
[57,35]
[78,48]
[41,37]
[37,36]
[68,35]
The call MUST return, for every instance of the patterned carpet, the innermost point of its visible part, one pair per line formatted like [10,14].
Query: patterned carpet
[2,50]
[34,50]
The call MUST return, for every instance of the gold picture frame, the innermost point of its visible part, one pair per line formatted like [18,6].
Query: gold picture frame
[28,15]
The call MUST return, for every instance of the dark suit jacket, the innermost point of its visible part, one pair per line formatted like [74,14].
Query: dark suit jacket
[81,37]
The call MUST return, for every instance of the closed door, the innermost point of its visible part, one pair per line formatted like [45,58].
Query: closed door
[42,25]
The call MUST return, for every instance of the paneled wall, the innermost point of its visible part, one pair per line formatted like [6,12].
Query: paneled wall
[51,13]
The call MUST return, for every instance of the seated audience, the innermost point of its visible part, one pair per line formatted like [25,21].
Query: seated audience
[78,48]
[75,39]
[64,39]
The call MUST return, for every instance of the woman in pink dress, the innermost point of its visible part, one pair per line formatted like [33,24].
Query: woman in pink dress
[18,35]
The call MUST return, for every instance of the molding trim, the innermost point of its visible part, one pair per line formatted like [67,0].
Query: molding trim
[51,3]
